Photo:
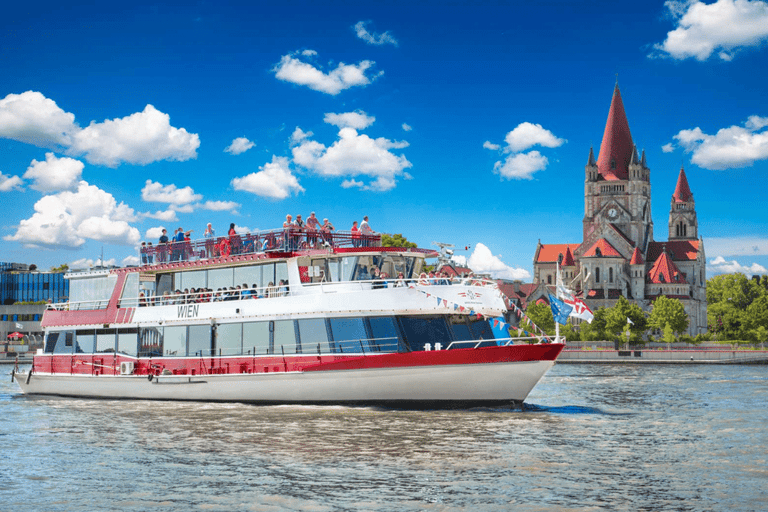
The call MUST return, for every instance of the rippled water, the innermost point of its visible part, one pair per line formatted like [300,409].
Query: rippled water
[591,437]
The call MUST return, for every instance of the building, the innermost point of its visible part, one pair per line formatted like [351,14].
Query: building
[618,255]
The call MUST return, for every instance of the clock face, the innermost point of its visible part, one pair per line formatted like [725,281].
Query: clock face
[613,213]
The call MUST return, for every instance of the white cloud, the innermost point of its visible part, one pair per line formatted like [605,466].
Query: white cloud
[155,233]
[32,118]
[373,38]
[87,263]
[239,145]
[738,246]
[141,138]
[521,166]
[668,148]
[358,120]
[159,193]
[8,183]
[354,155]
[723,27]
[69,218]
[167,215]
[54,174]
[274,180]
[350,183]
[484,262]
[526,135]
[220,206]
[731,147]
[720,265]
[344,76]
[490,145]
[130,260]
[407,127]
[299,135]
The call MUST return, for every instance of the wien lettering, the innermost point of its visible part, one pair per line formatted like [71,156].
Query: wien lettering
[187,311]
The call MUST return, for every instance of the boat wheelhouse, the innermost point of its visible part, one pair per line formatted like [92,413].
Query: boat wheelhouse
[284,317]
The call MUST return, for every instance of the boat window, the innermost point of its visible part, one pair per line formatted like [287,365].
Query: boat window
[130,291]
[192,279]
[314,336]
[150,342]
[220,278]
[334,267]
[127,341]
[164,284]
[65,344]
[481,329]
[349,335]
[460,328]
[92,292]
[175,340]
[50,341]
[348,268]
[85,341]
[256,338]
[229,339]
[384,334]
[105,340]
[420,330]
[267,275]
[199,340]
[281,272]
[249,275]
[318,270]
[285,338]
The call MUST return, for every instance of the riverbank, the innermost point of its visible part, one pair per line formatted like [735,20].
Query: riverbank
[584,355]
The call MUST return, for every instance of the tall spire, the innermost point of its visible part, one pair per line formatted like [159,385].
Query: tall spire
[591,157]
[617,148]
[682,190]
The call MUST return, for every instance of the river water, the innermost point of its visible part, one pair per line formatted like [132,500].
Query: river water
[590,437]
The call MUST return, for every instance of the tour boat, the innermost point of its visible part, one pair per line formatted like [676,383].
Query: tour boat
[284,317]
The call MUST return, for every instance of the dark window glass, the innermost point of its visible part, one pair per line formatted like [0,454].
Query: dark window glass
[420,330]
[64,345]
[349,335]
[481,329]
[50,342]
[384,333]
[229,339]
[150,342]
[460,329]
[199,340]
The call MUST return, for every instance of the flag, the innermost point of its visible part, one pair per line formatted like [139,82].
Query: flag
[19,326]
[629,321]
[562,292]
[580,310]
[560,310]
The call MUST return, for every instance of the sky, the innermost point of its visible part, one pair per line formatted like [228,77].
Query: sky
[467,123]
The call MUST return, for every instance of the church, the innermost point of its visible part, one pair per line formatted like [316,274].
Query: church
[618,255]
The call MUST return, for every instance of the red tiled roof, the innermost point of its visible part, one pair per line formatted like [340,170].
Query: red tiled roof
[680,250]
[606,250]
[664,271]
[682,190]
[549,253]
[617,143]
[454,270]
[637,258]
[568,260]
[525,291]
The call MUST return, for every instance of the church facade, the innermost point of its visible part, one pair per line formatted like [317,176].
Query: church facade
[618,255]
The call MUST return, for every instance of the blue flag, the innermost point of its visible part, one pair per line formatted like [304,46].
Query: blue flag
[560,310]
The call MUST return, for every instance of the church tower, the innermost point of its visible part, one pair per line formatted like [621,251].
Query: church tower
[617,188]
[682,213]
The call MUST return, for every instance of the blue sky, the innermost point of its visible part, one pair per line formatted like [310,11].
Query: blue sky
[467,123]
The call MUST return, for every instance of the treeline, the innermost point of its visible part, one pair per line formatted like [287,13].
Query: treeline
[737,309]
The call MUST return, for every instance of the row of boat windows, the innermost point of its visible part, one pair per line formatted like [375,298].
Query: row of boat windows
[305,336]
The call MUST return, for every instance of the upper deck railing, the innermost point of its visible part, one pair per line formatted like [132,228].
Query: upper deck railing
[274,240]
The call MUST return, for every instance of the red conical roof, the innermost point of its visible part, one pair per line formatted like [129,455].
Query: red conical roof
[568,259]
[637,258]
[664,270]
[617,148]
[682,190]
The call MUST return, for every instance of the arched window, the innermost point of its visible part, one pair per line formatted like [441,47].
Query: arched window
[610,274]
[549,279]
[597,274]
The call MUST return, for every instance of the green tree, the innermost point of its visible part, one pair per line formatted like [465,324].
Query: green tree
[541,315]
[596,330]
[61,268]
[668,311]
[396,240]
[616,319]
[669,335]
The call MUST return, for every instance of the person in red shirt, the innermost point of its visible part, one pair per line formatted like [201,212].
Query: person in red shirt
[355,234]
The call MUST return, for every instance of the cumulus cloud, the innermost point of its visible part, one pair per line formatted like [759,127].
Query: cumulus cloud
[155,192]
[155,233]
[69,218]
[483,261]
[54,174]
[87,263]
[407,127]
[239,145]
[722,27]
[130,261]
[220,206]
[354,155]
[8,183]
[668,148]
[344,76]
[372,37]
[720,265]
[164,215]
[141,138]
[358,120]
[519,165]
[729,148]
[274,180]
[32,118]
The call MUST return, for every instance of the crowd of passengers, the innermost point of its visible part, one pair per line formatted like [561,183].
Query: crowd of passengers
[295,234]
[199,295]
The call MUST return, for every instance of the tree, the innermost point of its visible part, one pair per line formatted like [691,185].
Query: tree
[396,240]
[616,319]
[669,335]
[729,297]
[668,311]
[541,315]
[596,330]
[61,268]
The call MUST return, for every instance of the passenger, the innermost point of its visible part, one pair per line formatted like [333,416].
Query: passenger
[235,243]
[284,291]
[288,229]
[326,229]
[255,293]
[143,251]
[142,300]
[210,241]
[313,226]
[400,280]
[187,297]
[162,246]
[298,229]
[366,232]
[378,282]
[150,253]
[362,274]
[271,290]
[355,234]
